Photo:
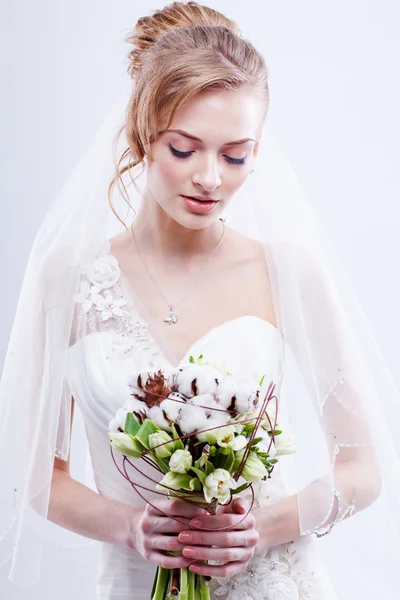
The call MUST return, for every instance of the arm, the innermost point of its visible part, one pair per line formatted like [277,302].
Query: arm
[77,508]
[74,506]
[356,480]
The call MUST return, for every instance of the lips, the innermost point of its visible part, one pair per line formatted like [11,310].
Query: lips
[201,199]
[198,206]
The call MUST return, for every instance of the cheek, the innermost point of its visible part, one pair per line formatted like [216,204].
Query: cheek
[236,179]
[171,173]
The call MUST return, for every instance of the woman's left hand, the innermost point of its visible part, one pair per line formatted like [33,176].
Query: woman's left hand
[235,546]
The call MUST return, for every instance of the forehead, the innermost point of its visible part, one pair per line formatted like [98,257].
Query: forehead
[221,116]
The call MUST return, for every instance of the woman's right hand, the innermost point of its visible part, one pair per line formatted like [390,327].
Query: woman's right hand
[154,534]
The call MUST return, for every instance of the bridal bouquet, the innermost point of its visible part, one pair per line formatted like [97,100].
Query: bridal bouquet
[207,435]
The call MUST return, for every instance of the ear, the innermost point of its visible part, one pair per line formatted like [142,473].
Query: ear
[255,149]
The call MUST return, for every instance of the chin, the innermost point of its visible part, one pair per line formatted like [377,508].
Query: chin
[193,221]
[190,220]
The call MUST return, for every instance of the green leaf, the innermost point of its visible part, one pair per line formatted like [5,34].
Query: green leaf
[200,474]
[209,467]
[191,359]
[201,356]
[144,431]
[178,444]
[262,380]
[276,432]
[163,463]
[131,425]
[256,440]
[239,489]
[195,485]
[229,461]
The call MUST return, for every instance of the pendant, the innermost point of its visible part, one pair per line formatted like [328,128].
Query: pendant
[172,318]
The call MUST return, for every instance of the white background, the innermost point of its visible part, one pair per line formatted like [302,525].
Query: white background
[335,97]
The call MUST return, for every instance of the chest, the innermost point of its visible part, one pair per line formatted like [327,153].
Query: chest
[199,304]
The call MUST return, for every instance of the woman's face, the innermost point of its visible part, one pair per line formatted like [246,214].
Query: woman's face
[210,156]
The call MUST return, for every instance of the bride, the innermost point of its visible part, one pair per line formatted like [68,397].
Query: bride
[218,254]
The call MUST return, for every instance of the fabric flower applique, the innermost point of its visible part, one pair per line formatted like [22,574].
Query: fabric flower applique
[268,576]
[88,296]
[109,307]
[103,271]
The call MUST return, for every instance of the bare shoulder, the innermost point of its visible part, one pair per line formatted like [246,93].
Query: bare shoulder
[245,250]
[120,242]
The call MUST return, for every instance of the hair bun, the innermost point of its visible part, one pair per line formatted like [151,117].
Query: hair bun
[151,28]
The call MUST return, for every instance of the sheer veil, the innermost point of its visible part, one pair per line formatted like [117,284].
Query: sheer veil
[343,406]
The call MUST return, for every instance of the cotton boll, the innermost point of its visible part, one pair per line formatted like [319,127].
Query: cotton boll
[208,403]
[118,422]
[225,392]
[135,405]
[243,402]
[171,376]
[192,418]
[136,382]
[171,407]
[156,414]
[195,380]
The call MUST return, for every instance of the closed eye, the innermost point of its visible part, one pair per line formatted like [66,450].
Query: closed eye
[230,159]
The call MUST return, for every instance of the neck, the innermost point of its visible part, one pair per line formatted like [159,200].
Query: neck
[156,232]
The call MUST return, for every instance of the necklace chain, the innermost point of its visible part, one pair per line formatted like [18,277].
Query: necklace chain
[172,318]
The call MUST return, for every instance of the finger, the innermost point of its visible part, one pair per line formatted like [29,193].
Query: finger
[224,555]
[223,521]
[238,505]
[164,542]
[168,562]
[223,539]
[176,508]
[165,525]
[228,570]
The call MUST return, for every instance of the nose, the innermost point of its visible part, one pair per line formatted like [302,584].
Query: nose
[207,174]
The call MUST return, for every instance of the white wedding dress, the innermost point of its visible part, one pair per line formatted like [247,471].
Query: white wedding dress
[112,341]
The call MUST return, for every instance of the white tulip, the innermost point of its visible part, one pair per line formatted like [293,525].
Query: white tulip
[160,437]
[225,437]
[124,443]
[218,485]
[180,461]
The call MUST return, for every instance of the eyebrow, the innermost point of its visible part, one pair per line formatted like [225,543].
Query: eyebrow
[196,139]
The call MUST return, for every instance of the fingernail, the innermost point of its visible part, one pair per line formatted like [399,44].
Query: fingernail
[195,523]
[185,537]
[188,552]
[195,568]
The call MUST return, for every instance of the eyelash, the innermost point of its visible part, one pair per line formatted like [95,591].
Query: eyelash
[230,159]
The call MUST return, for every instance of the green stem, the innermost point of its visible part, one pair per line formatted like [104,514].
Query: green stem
[204,588]
[191,581]
[160,584]
[183,589]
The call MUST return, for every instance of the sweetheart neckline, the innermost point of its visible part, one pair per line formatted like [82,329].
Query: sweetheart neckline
[230,322]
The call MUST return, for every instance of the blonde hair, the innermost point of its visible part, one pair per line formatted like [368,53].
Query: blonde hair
[179,51]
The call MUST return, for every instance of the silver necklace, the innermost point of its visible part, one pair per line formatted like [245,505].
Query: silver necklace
[172,317]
